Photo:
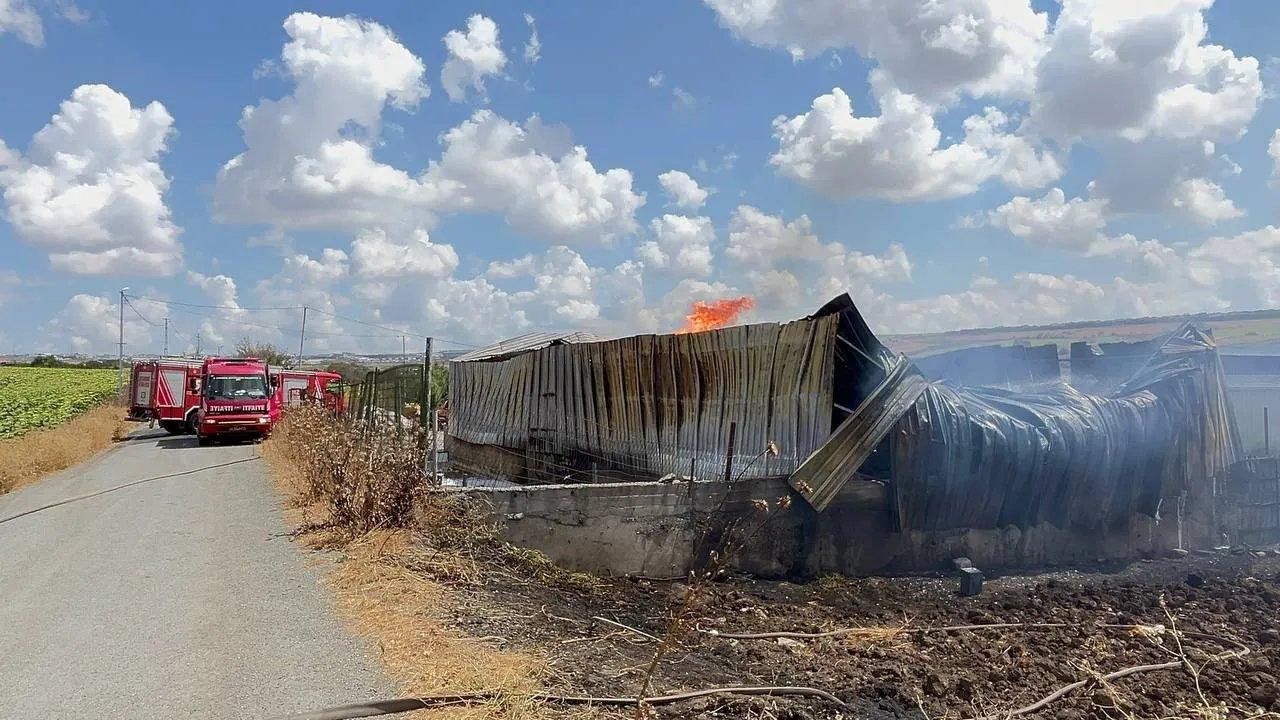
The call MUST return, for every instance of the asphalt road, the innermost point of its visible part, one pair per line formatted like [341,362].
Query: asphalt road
[179,598]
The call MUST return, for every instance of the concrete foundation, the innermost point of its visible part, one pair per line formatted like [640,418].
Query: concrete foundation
[664,529]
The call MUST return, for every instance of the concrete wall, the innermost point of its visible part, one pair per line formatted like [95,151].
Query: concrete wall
[658,529]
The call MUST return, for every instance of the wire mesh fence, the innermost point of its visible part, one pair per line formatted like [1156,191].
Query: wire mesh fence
[396,404]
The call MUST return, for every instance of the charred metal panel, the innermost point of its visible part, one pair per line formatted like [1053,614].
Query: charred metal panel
[650,405]
[985,457]
[824,472]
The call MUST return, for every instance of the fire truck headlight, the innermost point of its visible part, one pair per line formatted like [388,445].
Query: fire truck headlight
[263,421]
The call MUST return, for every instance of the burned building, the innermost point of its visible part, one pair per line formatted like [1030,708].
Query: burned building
[854,423]
[548,408]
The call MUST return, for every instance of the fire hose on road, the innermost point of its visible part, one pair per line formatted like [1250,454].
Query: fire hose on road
[86,496]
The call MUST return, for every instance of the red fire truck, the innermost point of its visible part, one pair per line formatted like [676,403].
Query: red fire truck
[236,399]
[162,390]
[297,387]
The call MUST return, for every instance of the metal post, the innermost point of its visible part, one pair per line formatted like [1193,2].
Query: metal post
[431,409]
[165,353]
[373,398]
[424,372]
[397,403]
[728,457]
[1266,433]
[120,365]
[302,337]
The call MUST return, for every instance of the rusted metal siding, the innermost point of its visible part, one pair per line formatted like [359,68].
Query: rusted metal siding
[655,404]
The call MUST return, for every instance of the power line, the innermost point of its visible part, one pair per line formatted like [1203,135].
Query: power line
[391,329]
[215,307]
[391,332]
[142,317]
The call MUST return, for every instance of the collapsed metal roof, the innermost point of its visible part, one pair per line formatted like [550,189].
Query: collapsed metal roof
[986,457]
[526,343]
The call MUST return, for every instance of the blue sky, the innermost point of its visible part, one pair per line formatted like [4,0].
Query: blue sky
[997,162]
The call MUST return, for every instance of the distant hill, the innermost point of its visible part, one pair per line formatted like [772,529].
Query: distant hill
[1246,333]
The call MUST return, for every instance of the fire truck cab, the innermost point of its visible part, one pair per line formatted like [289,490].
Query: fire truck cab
[236,399]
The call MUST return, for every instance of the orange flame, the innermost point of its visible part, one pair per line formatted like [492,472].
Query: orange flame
[716,314]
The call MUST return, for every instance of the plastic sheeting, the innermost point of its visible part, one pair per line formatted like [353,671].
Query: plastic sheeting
[980,457]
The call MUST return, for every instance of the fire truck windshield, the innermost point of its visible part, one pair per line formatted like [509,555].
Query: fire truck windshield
[236,387]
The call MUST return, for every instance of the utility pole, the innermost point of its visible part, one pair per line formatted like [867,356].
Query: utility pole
[197,344]
[166,338]
[120,367]
[302,338]
[404,349]
[435,417]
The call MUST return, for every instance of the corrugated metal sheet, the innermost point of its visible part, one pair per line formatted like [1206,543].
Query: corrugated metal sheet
[655,404]
[824,472]
[525,343]
[987,458]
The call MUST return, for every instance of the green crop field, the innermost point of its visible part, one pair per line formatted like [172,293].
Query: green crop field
[37,397]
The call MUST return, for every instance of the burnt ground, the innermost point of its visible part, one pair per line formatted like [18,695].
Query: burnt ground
[913,674]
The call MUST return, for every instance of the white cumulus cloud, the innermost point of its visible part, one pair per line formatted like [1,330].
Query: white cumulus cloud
[898,156]
[1139,69]
[91,324]
[90,189]
[475,55]
[308,160]
[681,245]
[682,189]
[544,187]
[930,48]
[1204,201]
[1053,221]
[376,254]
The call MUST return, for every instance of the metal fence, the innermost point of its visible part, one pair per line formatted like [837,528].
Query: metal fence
[389,393]
[1253,501]
[397,403]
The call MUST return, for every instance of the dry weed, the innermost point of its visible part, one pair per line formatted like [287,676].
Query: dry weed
[365,476]
[35,454]
[391,575]
[392,606]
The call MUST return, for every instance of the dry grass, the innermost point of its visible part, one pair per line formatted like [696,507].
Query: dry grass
[389,588]
[35,454]
[392,606]
[365,477]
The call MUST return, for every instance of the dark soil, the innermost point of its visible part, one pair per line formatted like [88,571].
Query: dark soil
[958,674]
